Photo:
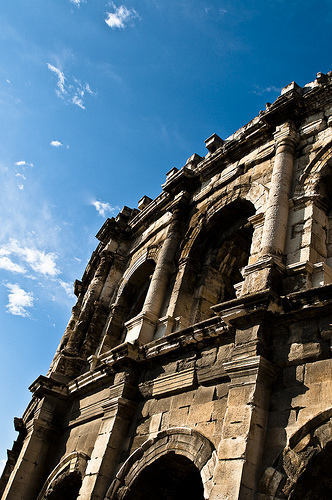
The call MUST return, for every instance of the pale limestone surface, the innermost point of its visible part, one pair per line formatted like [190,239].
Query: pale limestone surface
[197,360]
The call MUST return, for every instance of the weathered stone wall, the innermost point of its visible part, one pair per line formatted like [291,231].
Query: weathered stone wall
[198,356]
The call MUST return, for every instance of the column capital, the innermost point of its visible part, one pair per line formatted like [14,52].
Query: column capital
[285,135]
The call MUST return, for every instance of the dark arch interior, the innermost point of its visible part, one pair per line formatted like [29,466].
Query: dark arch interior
[67,488]
[171,477]
[221,252]
[315,483]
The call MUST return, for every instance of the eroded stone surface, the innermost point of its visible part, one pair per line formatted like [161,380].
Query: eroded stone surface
[198,356]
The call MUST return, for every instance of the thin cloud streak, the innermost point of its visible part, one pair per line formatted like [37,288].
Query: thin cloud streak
[72,93]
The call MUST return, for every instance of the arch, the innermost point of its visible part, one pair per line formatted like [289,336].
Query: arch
[196,450]
[65,478]
[218,252]
[305,464]
[312,172]
[170,477]
[130,299]
[149,254]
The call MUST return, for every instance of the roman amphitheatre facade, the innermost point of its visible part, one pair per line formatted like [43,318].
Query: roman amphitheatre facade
[197,360]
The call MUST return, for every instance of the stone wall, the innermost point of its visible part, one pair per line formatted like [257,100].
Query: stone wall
[197,360]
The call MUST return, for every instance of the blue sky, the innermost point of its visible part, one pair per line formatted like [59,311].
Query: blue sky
[98,100]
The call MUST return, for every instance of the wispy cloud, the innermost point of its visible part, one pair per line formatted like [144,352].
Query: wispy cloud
[78,3]
[9,265]
[120,17]
[72,93]
[267,90]
[103,207]
[21,176]
[58,144]
[23,163]
[18,300]
[68,288]
[39,261]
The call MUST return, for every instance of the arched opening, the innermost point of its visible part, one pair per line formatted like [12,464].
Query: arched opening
[65,489]
[221,251]
[129,303]
[315,483]
[171,477]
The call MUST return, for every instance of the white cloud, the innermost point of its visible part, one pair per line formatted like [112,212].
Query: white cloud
[41,262]
[8,265]
[103,207]
[271,88]
[61,79]
[120,17]
[56,144]
[21,176]
[20,186]
[68,288]
[18,300]
[73,93]
[23,163]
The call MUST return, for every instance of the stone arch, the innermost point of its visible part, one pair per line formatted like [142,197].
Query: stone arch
[254,193]
[218,251]
[313,171]
[149,254]
[308,454]
[130,298]
[66,478]
[195,452]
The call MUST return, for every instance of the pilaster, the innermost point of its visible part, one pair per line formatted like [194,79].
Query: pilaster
[237,473]
[118,411]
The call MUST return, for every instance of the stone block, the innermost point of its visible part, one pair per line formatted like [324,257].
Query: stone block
[178,418]
[232,448]
[237,421]
[206,428]
[219,409]
[241,395]
[155,422]
[227,479]
[300,353]
[222,390]
[320,371]
[204,395]
[200,413]
[182,400]
[174,382]
[213,373]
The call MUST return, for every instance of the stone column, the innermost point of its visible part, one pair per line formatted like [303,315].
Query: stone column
[276,217]
[142,327]
[265,272]
[95,336]
[77,336]
[101,468]
[240,451]
[32,465]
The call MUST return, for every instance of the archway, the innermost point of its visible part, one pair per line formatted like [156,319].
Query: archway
[66,488]
[189,456]
[221,250]
[315,483]
[171,477]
